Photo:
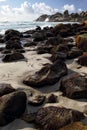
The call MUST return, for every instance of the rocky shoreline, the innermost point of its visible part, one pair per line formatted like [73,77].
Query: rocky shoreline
[63,17]
[43,78]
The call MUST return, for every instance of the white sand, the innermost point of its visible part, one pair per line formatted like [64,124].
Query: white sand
[14,73]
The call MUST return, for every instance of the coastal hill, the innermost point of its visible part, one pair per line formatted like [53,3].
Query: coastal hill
[63,17]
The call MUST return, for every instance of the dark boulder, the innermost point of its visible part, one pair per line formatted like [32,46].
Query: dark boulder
[39,36]
[75,86]
[53,118]
[54,40]
[52,98]
[5,89]
[48,75]
[11,44]
[12,106]
[15,56]
[44,49]
[82,60]
[74,53]
[57,56]
[12,34]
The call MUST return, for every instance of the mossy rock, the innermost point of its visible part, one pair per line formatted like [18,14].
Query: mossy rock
[75,126]
[81,42]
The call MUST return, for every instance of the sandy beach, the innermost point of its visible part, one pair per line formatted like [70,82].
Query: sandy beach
[15,72]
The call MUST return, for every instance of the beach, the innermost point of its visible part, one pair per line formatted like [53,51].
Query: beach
[16,71]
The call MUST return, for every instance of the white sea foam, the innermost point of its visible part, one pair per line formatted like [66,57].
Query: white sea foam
[24,26]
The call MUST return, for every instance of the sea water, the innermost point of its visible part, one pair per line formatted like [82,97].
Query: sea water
[24,26]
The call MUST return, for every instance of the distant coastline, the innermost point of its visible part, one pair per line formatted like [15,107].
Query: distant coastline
[63,17]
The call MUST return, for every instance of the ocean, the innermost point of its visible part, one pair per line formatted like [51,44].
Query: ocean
[24,26]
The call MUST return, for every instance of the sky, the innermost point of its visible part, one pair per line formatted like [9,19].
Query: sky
[28,10]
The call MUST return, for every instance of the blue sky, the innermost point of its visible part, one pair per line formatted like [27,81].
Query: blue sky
[31,9]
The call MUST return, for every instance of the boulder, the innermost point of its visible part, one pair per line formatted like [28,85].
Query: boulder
[60,48]
[12,106]
[75,126]
[54,40]
[11,44]
[44,49]
[12,33]
[52,98]
[15,56]
[39,36]
[48,75]
[57,56]
[81,42]
[5,89]
[53,118]
[74,86]
[74,53]
[82,60]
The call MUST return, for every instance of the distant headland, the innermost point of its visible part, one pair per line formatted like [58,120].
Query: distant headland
[64,17]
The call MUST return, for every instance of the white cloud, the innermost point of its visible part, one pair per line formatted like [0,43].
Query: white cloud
[29,12]
[70,8]
[79,10]
[26,11]
[2,0]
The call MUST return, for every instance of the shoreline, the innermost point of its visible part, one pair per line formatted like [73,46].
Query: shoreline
[14,72]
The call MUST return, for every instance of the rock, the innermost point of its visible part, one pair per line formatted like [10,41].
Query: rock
[82,60]
[75,86]
[81,42]
[5,89]
[60,48]
[53,118]
[44,49]
[38,28]
[74,53]
[39,36]
[57,56]
[75,126]
[52,99]
[30,44]
[5,51]
[10,44]
[15,56]
[12,34]
[54,40]
[29,118]
[42,17]
[12,106]
[36,100]
[48,75]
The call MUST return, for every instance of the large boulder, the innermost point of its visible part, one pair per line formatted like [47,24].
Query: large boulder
[74,53]
[53,118]
[48,75]
[54,40]
[12,106]
[74,86]
[13,44]
[15,56]
[39,36]
[82,60]
[12,34]
[81,42]
[5,89]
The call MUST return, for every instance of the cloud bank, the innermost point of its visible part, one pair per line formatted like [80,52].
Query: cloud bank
[29,12]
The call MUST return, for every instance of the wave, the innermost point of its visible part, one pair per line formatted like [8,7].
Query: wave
[25,25]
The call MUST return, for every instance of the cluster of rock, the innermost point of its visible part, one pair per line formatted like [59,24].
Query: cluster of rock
[63,17]
[55,41]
